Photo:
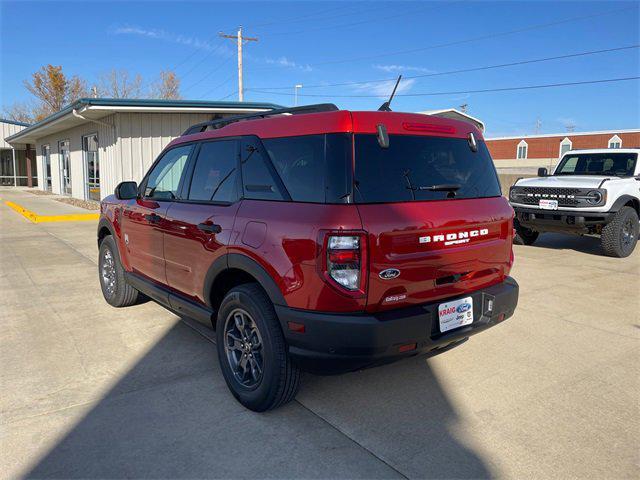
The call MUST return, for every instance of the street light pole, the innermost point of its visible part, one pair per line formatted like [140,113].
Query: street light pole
[295,89]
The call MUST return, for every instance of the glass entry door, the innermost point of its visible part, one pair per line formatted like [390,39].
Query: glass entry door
[65,167]
[92,166]
[46,166]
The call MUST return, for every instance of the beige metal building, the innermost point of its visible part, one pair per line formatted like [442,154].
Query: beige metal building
[89,147]
[17,165]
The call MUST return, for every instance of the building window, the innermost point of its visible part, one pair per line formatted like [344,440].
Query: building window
[565,146]
[615,142]
[92,166]
[523,147]
[46,166]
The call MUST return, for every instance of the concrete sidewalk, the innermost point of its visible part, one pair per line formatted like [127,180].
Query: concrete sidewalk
[40,204]
[89,391]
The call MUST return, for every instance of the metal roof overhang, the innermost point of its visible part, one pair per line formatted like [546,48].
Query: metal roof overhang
[85,110]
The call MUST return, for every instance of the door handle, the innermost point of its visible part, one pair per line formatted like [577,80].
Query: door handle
[152,218]
[209,227]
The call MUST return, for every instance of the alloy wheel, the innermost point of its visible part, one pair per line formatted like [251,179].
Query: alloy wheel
[108,273]
[243,346]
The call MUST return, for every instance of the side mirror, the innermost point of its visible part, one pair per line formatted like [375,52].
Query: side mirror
[126,191]
[542,172]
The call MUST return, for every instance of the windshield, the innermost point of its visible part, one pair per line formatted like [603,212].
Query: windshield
[418,168]
[617,164]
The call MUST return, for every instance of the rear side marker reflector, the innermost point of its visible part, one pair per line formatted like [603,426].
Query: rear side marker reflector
[428,127]
[296,327]
[407,348]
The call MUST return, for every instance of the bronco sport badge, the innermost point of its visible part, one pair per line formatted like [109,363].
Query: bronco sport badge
[454,238]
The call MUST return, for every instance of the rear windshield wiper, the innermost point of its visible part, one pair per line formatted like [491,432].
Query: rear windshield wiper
[441,187]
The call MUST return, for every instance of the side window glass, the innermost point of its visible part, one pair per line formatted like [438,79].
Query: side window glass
[258,177]
[164,179]
[570,165]
[214,175]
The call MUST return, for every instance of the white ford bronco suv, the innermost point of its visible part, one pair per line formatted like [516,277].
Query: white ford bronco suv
[590,192]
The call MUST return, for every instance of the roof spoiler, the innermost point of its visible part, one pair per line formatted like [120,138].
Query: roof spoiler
[216,124]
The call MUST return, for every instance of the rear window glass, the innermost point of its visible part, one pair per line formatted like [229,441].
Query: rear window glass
[416,168]
[617,164]
[313,168]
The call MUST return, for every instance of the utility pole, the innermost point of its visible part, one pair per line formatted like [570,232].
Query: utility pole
[538,125]
[241,40]
[464,107]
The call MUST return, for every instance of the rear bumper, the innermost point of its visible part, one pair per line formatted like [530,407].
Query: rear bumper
[561,220]
[334,343]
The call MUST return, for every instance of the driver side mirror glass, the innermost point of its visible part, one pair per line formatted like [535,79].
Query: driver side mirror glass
[126,191]
[542,172]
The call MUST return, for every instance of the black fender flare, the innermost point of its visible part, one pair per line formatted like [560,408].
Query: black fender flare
[104,223]
[242,262]
[623,200]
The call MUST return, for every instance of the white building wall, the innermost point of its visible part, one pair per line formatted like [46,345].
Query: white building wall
[126,150]
[78,167]
[142,136]
[6,130]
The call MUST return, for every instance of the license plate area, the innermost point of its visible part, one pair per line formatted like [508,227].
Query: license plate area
[456,313]
[545,204]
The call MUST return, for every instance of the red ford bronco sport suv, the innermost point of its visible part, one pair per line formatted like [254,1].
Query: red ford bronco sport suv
[316,239]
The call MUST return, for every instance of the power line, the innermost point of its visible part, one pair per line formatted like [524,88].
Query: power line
[465,70]
[314,16]
[198,63]
[227,96]
[371,20]
[504,89]
[227,80]
[472,39]
[209,73]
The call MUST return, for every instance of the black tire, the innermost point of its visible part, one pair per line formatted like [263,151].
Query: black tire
[280,378]
[620,235]
[524,236]
[120,294]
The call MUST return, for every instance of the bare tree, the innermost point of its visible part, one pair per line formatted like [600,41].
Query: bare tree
[167,86]
[119,84]
[54,89]
[20,112]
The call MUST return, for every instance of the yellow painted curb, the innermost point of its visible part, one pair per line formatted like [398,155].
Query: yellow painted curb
[35,218]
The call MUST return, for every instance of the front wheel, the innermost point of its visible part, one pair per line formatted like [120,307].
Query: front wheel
[252,351]
[115,289]
[620,235]
[524,236]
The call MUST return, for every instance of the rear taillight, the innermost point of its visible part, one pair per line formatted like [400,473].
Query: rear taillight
[344,261]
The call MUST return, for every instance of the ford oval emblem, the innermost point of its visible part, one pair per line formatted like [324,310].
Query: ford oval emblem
[463,308]
[389,273]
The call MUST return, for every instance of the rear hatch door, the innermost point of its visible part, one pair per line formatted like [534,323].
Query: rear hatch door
[437,224]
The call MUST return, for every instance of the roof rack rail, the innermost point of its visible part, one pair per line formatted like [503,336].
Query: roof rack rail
[215,124]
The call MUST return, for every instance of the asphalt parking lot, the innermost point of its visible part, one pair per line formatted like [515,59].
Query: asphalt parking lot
[96,392]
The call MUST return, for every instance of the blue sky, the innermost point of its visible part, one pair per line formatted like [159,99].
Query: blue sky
[318,43]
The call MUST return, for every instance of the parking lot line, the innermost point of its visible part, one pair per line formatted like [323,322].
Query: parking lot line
[35,218]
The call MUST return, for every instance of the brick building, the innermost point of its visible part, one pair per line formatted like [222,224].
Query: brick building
[545,150]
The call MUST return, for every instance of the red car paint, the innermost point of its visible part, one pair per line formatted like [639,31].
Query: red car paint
[286,238]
